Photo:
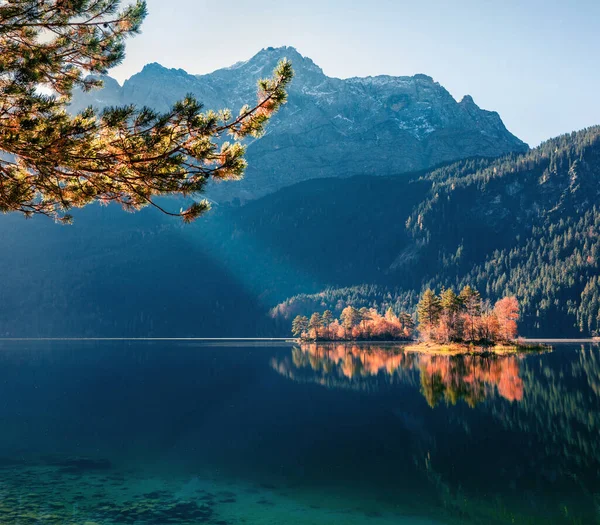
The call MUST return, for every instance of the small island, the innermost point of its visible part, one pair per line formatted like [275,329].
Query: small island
[448,323]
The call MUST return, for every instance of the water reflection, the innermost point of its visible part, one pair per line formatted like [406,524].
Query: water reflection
[471,378]
[562,407]
[186,432]
[517,430]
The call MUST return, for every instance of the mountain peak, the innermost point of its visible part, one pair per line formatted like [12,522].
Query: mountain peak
[272,55]
[289,52]
[279,50]
[467,100]
[426,78]
[154,68]
[413,121]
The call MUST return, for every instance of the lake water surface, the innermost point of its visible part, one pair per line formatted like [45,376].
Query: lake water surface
[187,432]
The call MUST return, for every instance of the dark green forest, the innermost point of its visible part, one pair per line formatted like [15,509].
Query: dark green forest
[526,225]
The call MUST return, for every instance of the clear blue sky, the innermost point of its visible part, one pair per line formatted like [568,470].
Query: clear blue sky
[535,62]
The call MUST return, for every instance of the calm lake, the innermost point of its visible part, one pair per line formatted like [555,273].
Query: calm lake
[187,432]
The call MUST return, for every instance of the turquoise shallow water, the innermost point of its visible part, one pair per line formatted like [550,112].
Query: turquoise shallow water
[187,432]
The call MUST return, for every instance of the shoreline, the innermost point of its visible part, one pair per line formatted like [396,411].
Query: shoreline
[449,349]
[473,349]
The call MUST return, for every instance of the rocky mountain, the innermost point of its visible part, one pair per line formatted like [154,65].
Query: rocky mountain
[330,127]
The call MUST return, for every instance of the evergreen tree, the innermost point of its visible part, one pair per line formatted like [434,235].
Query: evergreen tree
[470,299]
[350,317]
[390,316]
[407,322]
[364,317]
[449,301]
[450,305]
[429,310]
[299,325]
[327,319]
[315,323]
[51,162]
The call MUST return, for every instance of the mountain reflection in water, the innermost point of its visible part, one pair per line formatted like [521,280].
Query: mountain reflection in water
[471,378]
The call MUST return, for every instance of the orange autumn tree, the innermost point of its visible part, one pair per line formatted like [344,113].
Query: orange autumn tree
[447,318]
[506,311]
[466,317]
[353,325]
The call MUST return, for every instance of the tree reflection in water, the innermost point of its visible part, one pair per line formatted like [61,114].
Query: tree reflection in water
[471,378]
[540,420]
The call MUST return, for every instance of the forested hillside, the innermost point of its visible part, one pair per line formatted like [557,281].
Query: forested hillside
[115,274]
[526,225]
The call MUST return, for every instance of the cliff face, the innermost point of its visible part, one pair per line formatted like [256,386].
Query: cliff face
[330,127]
